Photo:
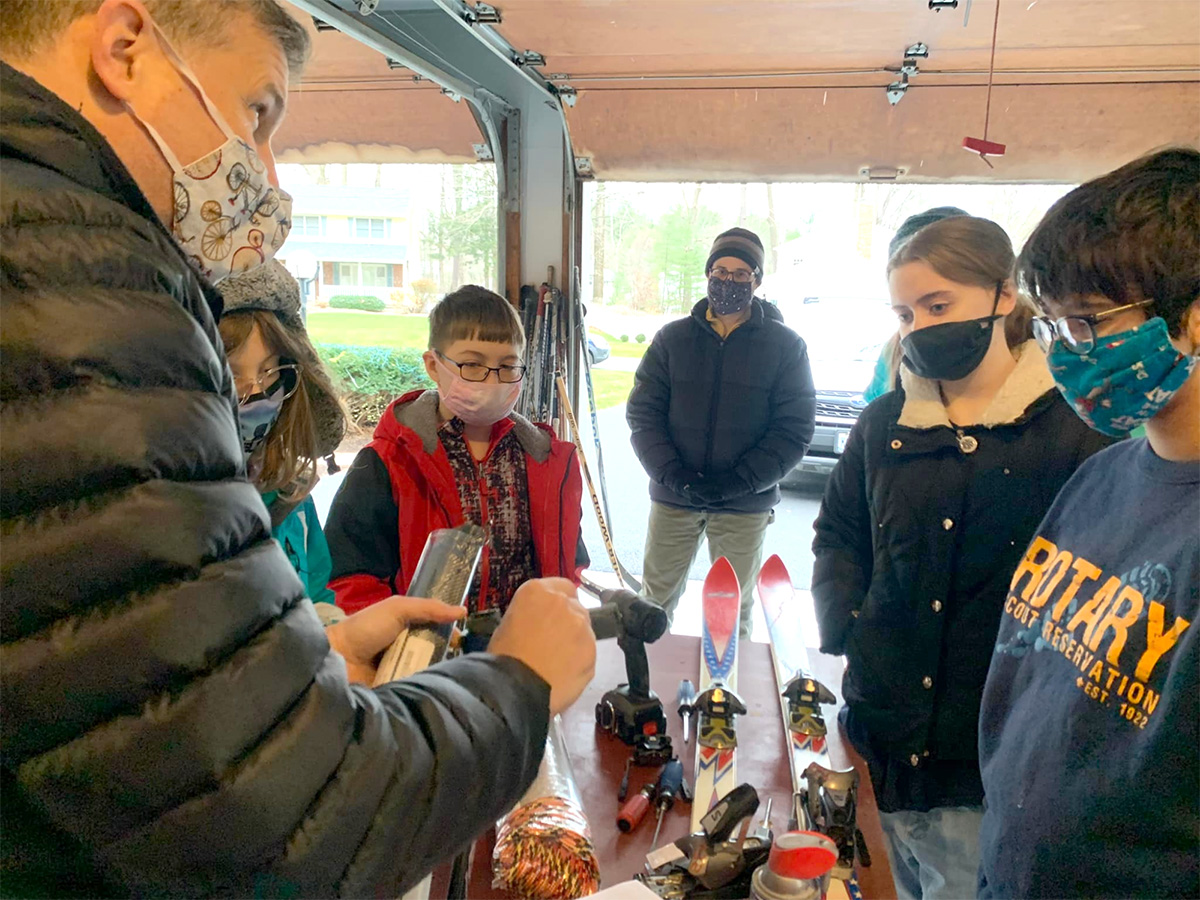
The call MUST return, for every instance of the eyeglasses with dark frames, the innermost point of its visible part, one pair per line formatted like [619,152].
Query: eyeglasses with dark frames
[741,276]
[1077,333]
[477,372]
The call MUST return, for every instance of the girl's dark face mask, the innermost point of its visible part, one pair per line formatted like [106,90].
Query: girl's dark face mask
[258,412]
[952,350]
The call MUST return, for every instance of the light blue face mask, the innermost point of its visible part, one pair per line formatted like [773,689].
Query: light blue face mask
[1125,380]
[256,417]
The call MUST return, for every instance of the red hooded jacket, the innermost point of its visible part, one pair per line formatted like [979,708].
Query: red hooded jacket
[401,487]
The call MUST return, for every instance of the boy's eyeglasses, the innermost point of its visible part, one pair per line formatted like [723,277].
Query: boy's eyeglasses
[284,378]
[1077,333]
[741,276]
[473,371]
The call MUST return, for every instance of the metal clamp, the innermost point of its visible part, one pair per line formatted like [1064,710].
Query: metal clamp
[529,58]
[482,14]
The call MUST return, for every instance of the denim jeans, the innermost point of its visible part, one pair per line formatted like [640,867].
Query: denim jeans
[934,855]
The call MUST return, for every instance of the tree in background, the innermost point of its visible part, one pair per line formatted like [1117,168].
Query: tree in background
[464,230]
[599,239]
[681,244]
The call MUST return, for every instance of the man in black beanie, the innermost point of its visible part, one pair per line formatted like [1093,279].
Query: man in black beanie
[722,408]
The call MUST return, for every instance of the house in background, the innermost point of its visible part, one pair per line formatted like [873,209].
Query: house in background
[354,239]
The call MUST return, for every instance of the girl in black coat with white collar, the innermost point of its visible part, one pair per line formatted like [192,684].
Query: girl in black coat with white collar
[939,490]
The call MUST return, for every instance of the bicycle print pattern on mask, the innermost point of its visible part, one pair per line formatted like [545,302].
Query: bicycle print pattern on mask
[230,235]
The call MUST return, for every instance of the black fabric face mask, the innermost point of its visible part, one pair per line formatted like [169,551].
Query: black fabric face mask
[728,297]
[952,350]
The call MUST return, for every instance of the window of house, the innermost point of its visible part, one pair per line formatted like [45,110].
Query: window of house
[374,229]
[309,226]
[374,275]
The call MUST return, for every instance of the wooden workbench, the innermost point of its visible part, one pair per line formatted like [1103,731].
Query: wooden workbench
[598,761]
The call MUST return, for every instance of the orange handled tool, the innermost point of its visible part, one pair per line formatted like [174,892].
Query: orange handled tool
[635,809]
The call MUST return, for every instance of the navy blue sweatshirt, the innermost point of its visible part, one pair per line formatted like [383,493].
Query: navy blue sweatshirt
[1088,737]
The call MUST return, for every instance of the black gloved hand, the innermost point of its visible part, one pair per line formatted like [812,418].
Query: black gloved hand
[718,489]
[679,479]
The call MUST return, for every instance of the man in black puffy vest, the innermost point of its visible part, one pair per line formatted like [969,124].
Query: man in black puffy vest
[176,721]
[722,408]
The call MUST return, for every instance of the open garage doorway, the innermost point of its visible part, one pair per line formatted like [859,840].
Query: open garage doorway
[644,250]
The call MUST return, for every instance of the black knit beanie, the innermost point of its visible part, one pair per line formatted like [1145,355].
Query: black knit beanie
[740,243]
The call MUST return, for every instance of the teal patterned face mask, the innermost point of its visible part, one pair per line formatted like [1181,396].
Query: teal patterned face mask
[1125,380]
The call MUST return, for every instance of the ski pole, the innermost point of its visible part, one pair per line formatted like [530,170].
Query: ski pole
[586,364]
[587,476]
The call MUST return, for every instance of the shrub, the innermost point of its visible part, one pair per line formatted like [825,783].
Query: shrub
[370,378]
[351,301]
[406,301]
[624,339]
[425,291]
[641,339]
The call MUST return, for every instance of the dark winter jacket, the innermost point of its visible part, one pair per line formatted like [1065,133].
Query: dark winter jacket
[736,412]
[401,487]
[174,722]
[920,530]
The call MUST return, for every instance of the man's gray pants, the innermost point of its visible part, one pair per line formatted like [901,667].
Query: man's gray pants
[673,536]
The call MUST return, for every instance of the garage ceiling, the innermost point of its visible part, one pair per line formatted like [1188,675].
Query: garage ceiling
[734,90]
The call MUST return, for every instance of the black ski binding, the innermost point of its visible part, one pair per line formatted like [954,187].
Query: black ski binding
[715,862]
[831,801]
[805,695]
[717,707]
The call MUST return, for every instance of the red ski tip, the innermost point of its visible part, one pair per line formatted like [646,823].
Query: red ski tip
[773,571]
[802,854]
[722,605]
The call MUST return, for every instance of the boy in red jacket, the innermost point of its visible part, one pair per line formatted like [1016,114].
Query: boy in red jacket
[459,454]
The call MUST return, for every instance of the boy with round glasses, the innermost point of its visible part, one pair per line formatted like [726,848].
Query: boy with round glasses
[1089,724]
[457,454]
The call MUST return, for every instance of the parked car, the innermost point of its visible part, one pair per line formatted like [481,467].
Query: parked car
[845,336]
[598,349]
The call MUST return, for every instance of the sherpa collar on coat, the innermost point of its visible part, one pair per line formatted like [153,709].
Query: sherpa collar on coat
[421,416]
[1029,381]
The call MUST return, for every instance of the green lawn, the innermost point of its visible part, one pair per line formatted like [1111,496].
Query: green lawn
[612,388]
[629,349]
[369,329]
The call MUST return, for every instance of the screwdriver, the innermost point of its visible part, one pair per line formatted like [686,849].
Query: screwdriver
[623,790]
[669,781]
[687,704]
[632,813]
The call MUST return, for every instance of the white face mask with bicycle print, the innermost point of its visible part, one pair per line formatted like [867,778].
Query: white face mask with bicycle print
[228,217]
